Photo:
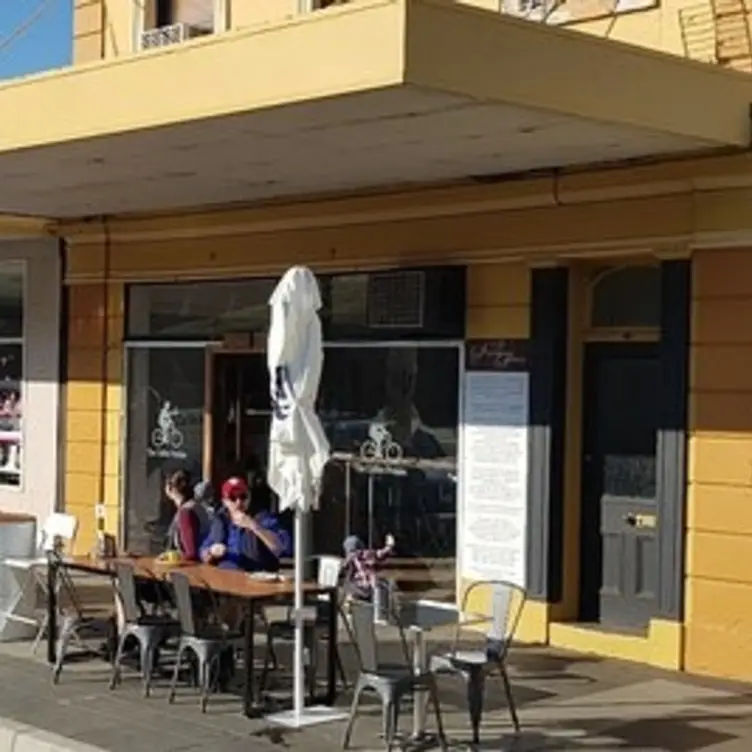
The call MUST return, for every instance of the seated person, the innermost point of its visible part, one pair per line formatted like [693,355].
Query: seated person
[360,567]
[191,523]
[244,534]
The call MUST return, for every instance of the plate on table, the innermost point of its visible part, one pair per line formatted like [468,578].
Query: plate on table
[266,576]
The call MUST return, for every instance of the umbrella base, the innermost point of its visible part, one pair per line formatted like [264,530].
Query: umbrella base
[311,716]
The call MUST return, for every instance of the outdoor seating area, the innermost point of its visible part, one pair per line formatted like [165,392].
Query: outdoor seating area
[181,640]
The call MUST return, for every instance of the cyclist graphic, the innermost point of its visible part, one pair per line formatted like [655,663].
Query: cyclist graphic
[167,435]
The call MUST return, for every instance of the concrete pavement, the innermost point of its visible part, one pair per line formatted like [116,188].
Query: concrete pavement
[566,702]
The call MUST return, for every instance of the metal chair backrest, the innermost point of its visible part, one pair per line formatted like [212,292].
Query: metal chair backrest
[506,602]
[328,573]
[182,588]
[364,632]
[363,629]
[58,526]
[329,570]
[125,582]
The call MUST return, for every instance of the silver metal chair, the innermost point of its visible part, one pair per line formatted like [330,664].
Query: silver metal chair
[507,601]
[150,631]
[391,682]
[211,644]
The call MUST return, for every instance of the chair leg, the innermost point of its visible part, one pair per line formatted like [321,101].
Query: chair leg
[176,674]
[433,693]
[208,673]
[268,655]
[341,670]
[41,632]
[476,683]
[147,664]
[389,731]
[510,698]
[353,715]
[116,664]
[66,634]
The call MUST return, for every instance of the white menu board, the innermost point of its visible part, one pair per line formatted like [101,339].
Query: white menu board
[494,464]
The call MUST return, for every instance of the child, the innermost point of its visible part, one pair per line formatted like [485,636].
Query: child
[361,565]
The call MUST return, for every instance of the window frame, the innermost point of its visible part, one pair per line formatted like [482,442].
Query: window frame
[22,267]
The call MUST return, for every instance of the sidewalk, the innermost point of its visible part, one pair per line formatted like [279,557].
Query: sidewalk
[566,702]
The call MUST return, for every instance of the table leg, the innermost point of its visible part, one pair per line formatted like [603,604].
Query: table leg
[420,699]
[249,691]
[331,662]
[52,573]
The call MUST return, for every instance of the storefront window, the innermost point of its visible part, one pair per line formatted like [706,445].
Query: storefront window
[11,373]
[165,433]
[199,309]
[402,402]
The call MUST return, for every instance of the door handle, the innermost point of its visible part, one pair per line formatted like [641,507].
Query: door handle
[642,521]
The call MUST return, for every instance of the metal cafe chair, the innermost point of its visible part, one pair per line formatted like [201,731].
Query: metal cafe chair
[210,644]
[507,600]
[390,681]
[150,631]
[59,530]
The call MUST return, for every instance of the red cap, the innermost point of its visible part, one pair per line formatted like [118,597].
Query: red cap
[234,488]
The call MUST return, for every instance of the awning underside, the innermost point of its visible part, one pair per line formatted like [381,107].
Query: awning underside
[382,138]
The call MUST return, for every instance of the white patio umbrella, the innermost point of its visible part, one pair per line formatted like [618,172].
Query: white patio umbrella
[298,447]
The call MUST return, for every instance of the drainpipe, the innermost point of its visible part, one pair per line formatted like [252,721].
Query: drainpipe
[100,513]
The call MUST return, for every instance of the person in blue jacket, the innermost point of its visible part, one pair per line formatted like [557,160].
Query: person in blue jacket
[244,535]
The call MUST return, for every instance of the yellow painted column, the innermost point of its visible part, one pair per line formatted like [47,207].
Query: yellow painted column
[93,407]
[718,620]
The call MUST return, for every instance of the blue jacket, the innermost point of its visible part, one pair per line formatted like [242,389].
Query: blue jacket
[244,550]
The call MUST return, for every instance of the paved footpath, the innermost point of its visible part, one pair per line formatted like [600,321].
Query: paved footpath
[566,702]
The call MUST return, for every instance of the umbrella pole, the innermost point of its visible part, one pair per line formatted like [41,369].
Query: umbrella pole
[298,689]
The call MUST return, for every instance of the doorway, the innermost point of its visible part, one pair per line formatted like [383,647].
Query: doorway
[618,536]
[239,413]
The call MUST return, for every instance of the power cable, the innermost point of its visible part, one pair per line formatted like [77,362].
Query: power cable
[25,26]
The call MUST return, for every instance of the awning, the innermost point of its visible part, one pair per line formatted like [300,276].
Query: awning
[370,94]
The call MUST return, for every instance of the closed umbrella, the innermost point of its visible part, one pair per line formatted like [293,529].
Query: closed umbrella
[298,447]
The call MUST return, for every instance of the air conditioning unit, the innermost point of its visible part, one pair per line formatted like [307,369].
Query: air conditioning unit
[176,33]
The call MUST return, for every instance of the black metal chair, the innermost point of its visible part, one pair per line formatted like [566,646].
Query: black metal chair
[150,631]
[391,682]
[211,644]
[507,601]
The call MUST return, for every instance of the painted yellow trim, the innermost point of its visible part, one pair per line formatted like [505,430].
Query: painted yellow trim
[376,44]
[662,647]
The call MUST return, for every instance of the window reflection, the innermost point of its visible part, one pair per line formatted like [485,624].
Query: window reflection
[165,433]
[408,398]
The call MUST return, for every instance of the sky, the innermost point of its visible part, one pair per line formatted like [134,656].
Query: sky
[45,44]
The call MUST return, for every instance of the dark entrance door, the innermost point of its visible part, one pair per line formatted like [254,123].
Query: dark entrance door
[241,415]
[619,516]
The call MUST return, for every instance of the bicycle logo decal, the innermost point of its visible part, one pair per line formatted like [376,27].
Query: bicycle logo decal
[379,445]
[166,439]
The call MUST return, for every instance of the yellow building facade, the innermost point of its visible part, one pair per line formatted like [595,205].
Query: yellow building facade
[604,230]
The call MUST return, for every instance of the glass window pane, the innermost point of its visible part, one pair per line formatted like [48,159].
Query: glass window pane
[165,433]
[11,379]
[199,309]
[411,393]
[627,297]
[11,301]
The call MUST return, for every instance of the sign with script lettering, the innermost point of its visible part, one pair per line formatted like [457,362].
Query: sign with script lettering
[494,460]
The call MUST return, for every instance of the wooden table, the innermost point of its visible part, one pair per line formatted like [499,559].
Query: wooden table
[228,583]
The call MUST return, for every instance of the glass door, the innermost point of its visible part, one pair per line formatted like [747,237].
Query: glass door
[240,415]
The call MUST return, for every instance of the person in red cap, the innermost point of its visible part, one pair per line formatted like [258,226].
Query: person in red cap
[243,534]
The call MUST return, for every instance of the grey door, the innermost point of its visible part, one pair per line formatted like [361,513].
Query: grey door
[619,514]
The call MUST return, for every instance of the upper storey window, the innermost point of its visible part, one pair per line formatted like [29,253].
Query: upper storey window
[166,22]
